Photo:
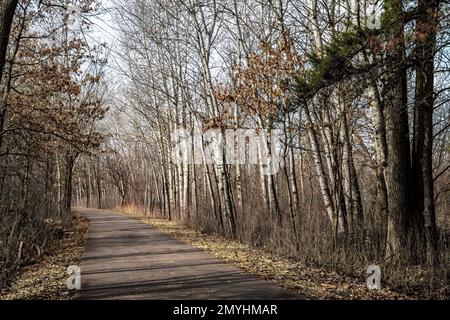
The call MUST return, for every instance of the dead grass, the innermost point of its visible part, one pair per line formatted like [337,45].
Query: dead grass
[314,283]
[46,279]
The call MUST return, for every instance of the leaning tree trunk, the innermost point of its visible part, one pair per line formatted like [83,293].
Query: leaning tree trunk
[7,10]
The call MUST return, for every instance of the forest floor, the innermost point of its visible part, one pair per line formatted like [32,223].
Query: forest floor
[46,278]
[313,283]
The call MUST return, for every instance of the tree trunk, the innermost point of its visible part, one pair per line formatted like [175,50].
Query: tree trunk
[379,123]
[7,11]
[68,188]
[398,149]
[98,182]
[424,221]
[353,192]
[324,187]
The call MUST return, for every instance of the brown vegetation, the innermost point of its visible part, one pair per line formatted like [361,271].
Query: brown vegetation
[306,280]
[362,113]
[50,102]
[46,278]
[362,110]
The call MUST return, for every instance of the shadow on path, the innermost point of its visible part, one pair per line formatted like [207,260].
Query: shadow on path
[126,258]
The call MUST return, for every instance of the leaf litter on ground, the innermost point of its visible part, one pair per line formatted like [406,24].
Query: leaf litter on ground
[311,282]
[46,279]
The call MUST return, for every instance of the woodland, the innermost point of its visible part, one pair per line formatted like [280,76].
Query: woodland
[359,89]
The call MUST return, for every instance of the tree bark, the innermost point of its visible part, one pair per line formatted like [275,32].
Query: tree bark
[324,187]
[424,221]
[7,11]
[398,148]
[379,123]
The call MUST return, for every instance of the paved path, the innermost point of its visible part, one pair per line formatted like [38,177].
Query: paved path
[126,258]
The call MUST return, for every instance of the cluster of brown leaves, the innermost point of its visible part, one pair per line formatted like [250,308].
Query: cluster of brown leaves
[259,87]
[46,279]
[52,100]
[224,121]
[313,283]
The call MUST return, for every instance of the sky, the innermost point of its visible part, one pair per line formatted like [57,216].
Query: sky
[104,31]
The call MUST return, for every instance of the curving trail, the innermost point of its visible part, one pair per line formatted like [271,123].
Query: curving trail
[126,258]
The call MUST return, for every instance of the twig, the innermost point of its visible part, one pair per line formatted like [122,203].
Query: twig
[19,255]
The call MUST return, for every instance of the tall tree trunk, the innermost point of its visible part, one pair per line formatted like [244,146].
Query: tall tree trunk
[194,193]
[334,173]
[7,11]
[397,129]
[185,197]
[4,38]
[292,195]
[225,194]
[314,23]
[424,220]
[237,162]
[379,123]
[68,190]
[293,180]
[98,182]
[353,197]
[271,186]
[324,187]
